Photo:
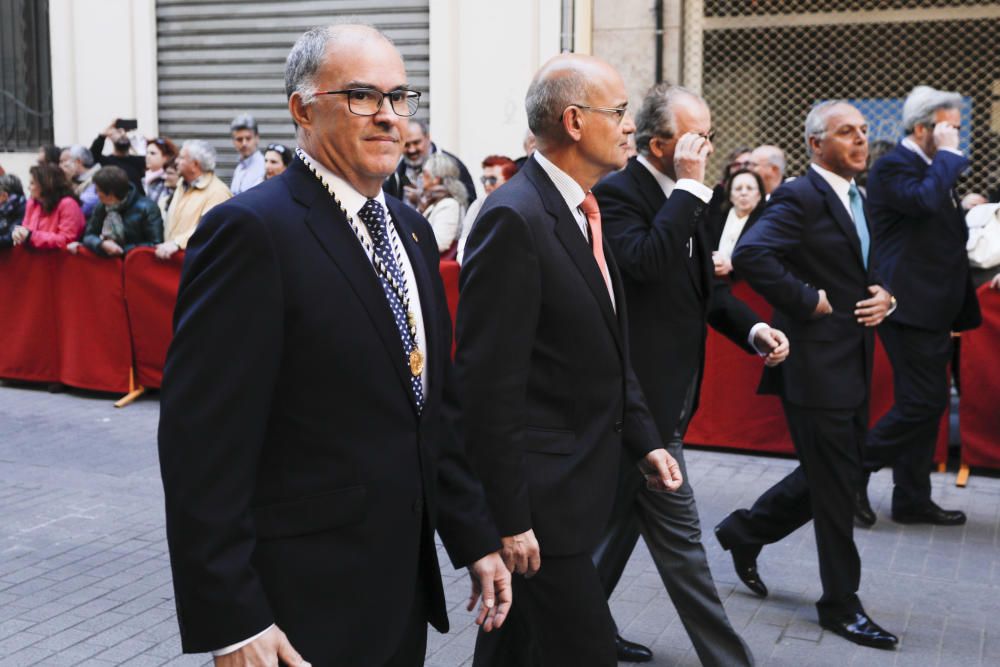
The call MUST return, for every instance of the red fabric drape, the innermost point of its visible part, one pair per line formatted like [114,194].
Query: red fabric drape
[29,346]
[449,276]
[150,292]
[979,413]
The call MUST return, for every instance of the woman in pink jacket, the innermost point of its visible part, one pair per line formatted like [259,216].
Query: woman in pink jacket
[52,216]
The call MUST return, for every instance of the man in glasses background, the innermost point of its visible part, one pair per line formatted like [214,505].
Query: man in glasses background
[406,182]
[306,440]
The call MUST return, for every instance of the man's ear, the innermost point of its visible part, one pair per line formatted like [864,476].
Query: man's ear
[655,148]
[572,122]
[301,112]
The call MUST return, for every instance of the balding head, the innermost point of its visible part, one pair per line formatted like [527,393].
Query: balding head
[769,163]
[563,81]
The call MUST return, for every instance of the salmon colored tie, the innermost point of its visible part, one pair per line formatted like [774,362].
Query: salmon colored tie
[593,213]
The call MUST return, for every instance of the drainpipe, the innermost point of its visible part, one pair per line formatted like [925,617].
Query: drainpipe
[566,39]
[658,36]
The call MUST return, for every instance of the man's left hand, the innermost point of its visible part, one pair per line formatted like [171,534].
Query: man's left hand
[661,471]
[774,340]
[491,581]
[871,312]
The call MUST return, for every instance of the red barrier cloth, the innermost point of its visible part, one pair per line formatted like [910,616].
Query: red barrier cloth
[94,341]
[449,276]
[151,292]
[29,346]
[979,411]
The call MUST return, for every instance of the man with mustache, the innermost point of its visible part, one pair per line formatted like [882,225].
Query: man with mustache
[306,438]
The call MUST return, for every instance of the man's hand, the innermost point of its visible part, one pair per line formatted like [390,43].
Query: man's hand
[520,553]
[166,250]
[995,283]
[411,195]
[661,471]
[774,340]
[690,156]
[491,581]
[19,235]
[265,651]
[110,129]
[111,248]
[73,248]
[871,312]
[823,308]
[723,265]
[945,135]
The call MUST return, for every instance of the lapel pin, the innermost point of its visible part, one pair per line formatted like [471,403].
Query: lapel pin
[414,235]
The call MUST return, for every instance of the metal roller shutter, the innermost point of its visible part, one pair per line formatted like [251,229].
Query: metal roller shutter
[224,57]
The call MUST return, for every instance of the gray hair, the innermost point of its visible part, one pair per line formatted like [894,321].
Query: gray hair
[816,120]
[81,153]
[774,156]
[548,97]
[244,122]
[656,115]
[923,102]
[439,165]
[307,54]
[201,152]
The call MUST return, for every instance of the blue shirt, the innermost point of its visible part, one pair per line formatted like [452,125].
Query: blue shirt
[248,173]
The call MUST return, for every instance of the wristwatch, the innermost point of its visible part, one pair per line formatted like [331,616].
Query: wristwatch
[892,305]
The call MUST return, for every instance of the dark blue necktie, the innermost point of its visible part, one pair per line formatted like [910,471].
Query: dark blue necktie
[373,216]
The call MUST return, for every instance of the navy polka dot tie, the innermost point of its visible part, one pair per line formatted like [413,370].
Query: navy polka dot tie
[373,216]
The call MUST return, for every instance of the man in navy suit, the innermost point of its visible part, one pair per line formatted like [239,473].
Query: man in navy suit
[655,215]
[549,397]
[306,439]
[920,235]
[809,256]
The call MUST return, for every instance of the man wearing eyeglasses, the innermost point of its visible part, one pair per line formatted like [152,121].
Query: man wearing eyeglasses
[549,396]
[406,182]
[920,236]
[306,440]
[657,224]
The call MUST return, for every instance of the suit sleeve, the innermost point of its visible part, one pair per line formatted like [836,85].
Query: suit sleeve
[216,396]
[760,253]
[730,316]
[642,248]
[497,316]
[902,188]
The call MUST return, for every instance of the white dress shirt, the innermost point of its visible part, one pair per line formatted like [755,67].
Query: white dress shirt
[573,195]
[731,232]
[248,173]
[353,201]
[841,186]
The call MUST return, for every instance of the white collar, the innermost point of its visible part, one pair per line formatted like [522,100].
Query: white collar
[667,184]
[912,145]
[352,200]
[570,190]
[840,185]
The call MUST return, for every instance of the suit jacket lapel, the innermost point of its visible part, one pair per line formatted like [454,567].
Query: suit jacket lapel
[573,241]
[840,214]
[331,229]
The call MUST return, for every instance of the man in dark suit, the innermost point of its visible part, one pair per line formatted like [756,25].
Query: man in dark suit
[404,182]
[656,222]
[920,235]
[306,443]
[808,255]
[549,397]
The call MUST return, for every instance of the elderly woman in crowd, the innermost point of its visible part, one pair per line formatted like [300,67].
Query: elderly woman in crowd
[52,216]
[159,152]
[200,190]
[276,160]
[443,202]
[171,177]
[743,204]
[124,219]
[11,207]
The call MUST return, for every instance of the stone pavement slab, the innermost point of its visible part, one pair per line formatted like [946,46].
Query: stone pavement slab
[85,578]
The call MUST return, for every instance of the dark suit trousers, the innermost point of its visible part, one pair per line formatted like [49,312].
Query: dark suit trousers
[672,531]
[822,488]
[559,618]
[907,434]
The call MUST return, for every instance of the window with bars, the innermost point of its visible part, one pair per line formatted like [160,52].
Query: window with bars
[25,75]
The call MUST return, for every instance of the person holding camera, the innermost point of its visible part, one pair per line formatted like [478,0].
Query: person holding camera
[121,155]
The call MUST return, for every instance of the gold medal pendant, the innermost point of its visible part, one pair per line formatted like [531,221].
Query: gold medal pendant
[416,362]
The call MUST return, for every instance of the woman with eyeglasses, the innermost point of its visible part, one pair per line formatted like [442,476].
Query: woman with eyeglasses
[443,202]
[276,160]
[159,152]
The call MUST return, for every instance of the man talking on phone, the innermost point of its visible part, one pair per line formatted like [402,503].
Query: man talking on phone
[919,247]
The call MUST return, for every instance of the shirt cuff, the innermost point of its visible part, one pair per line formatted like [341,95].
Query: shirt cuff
[699,190]
[952,150]
[232,648]
[753,335]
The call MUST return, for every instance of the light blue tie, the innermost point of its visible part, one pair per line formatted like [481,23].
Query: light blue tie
[860,224]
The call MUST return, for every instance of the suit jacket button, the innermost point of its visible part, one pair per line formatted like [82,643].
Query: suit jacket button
[619,426]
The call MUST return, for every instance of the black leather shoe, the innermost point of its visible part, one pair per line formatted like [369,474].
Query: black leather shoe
[631,652]
[860,629]
[745,562]
[931,514]
[864,515]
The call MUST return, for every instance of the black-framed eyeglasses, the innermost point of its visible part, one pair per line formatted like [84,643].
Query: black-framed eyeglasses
[618,111]
[488,180]
[368,101]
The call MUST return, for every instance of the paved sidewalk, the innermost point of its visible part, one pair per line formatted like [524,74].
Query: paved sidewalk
[85,580]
